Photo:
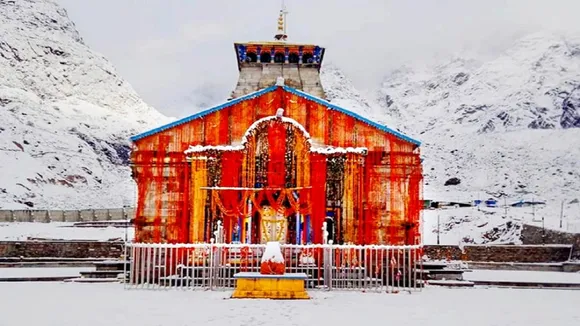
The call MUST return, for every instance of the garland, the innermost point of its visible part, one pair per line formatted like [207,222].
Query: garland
[290,159]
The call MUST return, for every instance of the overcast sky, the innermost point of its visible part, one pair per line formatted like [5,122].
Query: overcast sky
[172,50]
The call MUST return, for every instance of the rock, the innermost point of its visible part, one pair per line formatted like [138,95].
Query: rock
[460,78]
[452,182]
[570,116]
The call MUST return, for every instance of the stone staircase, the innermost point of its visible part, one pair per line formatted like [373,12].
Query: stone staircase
[108,271]
[444,274]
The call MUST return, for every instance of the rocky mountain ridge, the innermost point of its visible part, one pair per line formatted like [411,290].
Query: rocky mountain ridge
[505,128]
[66,115]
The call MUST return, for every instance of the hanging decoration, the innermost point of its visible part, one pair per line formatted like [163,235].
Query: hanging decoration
[277,149]
[198,198]
[318,194]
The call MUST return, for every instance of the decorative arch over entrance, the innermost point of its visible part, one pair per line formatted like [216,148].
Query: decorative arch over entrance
[274,186]
[276,164]
[264,184]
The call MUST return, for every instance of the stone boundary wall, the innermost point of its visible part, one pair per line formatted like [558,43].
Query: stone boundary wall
[114,249]
[536,235]
[85,215]
[62,249]
[501,253]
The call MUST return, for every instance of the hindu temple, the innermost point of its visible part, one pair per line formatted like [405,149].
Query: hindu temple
[276,162]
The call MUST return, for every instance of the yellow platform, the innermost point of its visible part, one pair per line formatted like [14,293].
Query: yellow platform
[258,286]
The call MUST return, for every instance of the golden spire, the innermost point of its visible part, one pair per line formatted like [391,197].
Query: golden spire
[281,33]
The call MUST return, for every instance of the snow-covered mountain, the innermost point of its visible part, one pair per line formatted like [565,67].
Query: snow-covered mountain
[501,126]
[65,114]
[506,128]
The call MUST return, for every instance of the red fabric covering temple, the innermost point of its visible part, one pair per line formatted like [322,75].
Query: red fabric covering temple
[277,177]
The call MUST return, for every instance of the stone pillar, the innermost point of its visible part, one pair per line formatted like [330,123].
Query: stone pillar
[272,53]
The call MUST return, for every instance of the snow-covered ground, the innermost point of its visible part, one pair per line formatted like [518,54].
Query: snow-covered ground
[61,230]
[69,304]
[522,276]
[495,225]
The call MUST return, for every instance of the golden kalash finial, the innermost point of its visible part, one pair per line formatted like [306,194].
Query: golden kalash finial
[281,33]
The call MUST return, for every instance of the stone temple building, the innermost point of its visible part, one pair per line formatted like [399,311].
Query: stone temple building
[275,162]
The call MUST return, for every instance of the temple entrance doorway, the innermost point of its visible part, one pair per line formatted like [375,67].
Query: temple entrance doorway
[274,226]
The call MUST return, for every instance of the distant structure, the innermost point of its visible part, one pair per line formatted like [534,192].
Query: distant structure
[277,162]
[260,63]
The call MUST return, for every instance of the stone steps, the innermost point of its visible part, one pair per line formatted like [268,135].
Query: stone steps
[450,283]
[102,224]
[49,259]
[439,271]
[101,274]
[35,279]
[110,265]
[544,267]
[47,264]
[92,280]
[529,285]
[106,271]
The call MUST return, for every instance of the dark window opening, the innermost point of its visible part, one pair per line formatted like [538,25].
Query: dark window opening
[307,58]
[293,57]
[265,57]
[251,57]
[279,57]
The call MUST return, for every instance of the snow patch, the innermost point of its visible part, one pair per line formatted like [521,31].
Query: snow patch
[340,150]
[273,253]
[202,149]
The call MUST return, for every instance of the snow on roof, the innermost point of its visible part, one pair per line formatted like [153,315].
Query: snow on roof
[340,150]
[256,123]
[252,128]
[201,149]
[320,150]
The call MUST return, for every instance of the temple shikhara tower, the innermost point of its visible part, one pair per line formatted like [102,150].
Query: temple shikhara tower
[275,162]
[261,63]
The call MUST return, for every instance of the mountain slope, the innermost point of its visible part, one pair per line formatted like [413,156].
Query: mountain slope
[66,115]
[341,91]
[505,127]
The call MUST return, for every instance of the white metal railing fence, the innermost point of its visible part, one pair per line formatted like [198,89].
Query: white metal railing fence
[212,266]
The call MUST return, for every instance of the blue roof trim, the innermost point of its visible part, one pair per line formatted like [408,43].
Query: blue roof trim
[352,114]
[203,113]
[268,90]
